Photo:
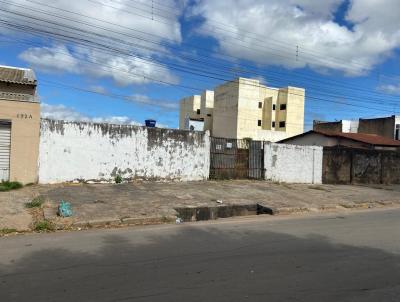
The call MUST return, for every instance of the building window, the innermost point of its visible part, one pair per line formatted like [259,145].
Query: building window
[273,124]
[260,105]
[282,107]
[397,132]
[198,111]
[259,123]
[273,107]
[282,124]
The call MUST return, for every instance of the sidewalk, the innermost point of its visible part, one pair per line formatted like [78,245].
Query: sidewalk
[155,202]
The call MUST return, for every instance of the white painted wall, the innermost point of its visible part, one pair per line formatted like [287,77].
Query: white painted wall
[350,126]
[292,163]
[271,135]
[72,151]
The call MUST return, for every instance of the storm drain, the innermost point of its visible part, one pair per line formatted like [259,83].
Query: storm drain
[212,213]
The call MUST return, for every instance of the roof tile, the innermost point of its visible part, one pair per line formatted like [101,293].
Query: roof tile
[17,75]
[371,139]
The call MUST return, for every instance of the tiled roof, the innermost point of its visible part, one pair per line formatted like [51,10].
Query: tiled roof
[17,75]
[370,139]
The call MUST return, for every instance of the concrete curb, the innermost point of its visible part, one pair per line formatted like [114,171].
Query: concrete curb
[71,224]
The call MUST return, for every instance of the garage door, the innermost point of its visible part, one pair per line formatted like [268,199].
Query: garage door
[5,144]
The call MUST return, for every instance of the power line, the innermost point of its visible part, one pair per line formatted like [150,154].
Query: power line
[223,79]
[195,88]
[264,38]
[208,71]
[354,88]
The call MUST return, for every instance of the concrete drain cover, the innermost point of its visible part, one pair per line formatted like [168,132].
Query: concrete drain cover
[212,213]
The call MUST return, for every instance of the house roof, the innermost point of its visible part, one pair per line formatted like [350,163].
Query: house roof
[370,139]
[17,75]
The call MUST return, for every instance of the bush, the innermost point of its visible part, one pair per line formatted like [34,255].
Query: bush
[44,226]
[35,203]
[10,185]
[118,179]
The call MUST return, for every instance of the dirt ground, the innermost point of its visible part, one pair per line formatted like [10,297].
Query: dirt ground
[154,202]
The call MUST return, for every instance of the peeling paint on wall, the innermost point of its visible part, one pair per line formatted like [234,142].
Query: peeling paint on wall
[71,151]
[293,164]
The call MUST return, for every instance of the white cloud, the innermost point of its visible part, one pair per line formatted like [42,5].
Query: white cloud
[61,112]
[125,26]
[51,59]
[393,89]
[271,30]
[123,70]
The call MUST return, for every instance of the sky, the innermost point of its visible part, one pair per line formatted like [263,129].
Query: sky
[124,61]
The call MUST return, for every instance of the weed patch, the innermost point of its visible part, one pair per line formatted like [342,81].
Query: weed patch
[10,185]
[44,226]
[118,179]
[35,203]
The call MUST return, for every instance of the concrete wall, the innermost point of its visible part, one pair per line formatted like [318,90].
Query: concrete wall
[249,112]
[328,126]
[270,136]
[345,126]
[358,166]
[72,151]
[379,126]
[350,126]
[293,164]
[188,109]
[293,116]
[207,109]
[225,118]
[24,117]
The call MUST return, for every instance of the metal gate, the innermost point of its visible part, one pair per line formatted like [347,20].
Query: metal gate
[236,159]
[5,144]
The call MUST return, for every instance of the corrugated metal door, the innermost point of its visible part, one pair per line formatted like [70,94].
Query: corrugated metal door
[5,145]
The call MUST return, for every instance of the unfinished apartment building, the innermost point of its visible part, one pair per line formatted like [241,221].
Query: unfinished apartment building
[244,108]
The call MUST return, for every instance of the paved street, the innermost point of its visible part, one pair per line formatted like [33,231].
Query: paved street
[351,257]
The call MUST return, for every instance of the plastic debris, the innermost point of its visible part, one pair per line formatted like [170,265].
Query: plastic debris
[64,209]
[219,201]
[179,220]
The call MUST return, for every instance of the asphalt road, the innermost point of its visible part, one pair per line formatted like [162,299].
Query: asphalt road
[352,257]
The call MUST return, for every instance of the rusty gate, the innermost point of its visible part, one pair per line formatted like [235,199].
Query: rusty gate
[236,159]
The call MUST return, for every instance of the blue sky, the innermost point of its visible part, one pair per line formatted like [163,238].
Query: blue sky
[129,60]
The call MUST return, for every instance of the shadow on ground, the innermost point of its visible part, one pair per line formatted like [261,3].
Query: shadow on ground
[205,265]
